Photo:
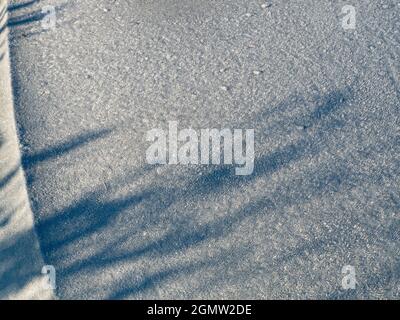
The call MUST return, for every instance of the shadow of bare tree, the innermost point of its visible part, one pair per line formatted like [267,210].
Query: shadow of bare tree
[18,251]
[30,160]
[25,15]
[154,207]
[3,23]
[144,230]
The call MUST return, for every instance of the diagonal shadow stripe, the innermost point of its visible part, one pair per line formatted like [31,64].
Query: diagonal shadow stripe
[28,161]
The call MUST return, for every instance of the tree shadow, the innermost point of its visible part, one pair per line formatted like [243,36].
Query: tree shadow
[8,177]
[86,220]
[3,17]
[18,252]
[155,205]
[3,14]
[30,160]
[154,279]
[84,223]
[5,182]
[17,270]
[22,5]
[24,16]
[9,19]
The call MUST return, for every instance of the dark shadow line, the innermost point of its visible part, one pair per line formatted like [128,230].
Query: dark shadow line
[279,158]
[3,13]
[4,221]
[16,6]
[17,269]
[31,17]
[103,214]
[331,103]
[9,213]
[3,10]
[152,280]
[29,161]
[218,228]
[4,181]
[155,279]
[180,239]
[26,19]
[174,240]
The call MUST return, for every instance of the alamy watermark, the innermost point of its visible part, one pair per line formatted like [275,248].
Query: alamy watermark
[349,19]
[49,279]
[187,146]
[49,19]
[349,280]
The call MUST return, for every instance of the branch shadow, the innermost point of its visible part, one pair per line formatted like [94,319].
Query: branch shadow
[93,213]
[87,218]
[8,177]
[85,221]
[31,160]
[17,269]
[16,252]
[22,5]
[154,279]
[3,14]
[29,17]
